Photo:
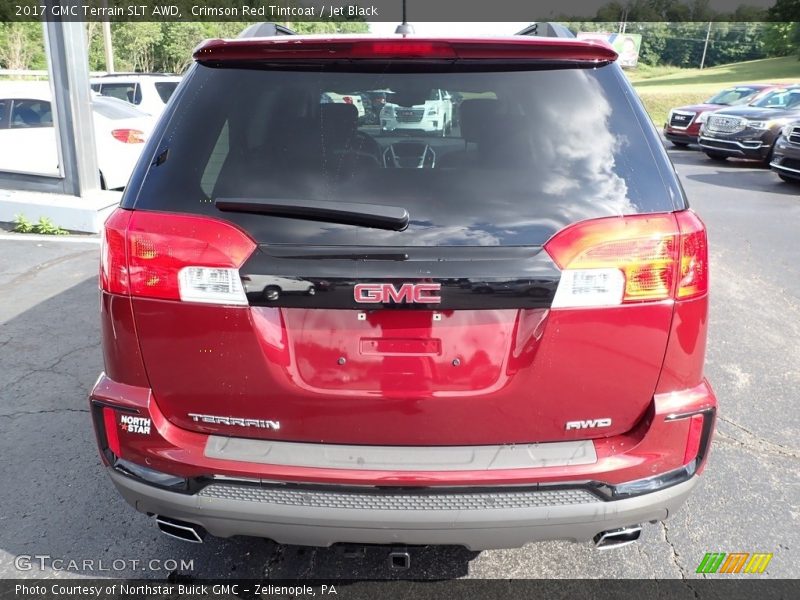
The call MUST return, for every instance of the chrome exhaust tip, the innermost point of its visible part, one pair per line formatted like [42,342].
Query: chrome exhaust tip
[617,538]
[181,530]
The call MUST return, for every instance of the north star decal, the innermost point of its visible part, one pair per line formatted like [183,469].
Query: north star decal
[131,424]
[588,424]
[237,421]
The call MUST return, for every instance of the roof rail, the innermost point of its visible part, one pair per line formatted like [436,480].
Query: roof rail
[547,29]
[265,30]
[135,74]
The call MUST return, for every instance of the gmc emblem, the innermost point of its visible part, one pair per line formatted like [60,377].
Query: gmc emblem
[412,293]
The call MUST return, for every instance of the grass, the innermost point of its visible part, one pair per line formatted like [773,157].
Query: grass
[662,88]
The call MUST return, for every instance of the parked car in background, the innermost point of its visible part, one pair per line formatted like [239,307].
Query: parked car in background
[433,114]
[750,131]
[149,92]
[683,123]
[28,139]
[273,286]
[352,98]
[786,157]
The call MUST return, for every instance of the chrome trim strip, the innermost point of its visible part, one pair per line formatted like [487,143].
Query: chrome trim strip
[782,168]
[742,145]
[402,458]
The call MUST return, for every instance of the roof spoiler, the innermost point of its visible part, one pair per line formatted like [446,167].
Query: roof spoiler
[547,29]
[265,29]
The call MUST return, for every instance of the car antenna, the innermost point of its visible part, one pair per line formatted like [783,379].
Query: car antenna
[405,27]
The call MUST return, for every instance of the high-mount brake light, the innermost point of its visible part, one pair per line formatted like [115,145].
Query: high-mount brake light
[174,257]
[637,258]
[403,49]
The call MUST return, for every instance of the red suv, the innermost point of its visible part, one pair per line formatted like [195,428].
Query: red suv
[318,333]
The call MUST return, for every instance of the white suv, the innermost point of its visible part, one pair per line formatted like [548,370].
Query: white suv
[149,92]
[431,115]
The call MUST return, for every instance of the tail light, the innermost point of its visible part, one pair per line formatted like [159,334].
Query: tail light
[638,258]
[173,257]
[347,99]
[129,136]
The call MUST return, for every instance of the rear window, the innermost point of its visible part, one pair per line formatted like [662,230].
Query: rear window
[112,108]
[165,89]
[476,157]
[129,92]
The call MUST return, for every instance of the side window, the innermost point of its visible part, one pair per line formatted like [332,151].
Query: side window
[95,87]
[26,114]
[129,92]
[3,110]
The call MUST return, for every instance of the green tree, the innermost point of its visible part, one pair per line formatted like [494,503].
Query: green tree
[22,46]
[135,45]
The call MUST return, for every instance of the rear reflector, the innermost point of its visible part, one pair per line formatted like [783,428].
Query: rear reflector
[174,257]
[637,258]
[693,440]
[129,136]
[112,434]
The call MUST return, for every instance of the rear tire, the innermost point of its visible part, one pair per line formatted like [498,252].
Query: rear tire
[717,156]
[788,179]
[272,293]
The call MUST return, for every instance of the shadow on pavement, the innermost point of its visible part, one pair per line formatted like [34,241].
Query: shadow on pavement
[57,501]
[756,181]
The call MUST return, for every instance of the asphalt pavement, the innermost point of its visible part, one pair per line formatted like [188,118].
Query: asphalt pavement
[56,501]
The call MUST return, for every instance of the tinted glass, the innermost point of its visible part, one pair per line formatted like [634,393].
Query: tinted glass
[780,99]
[3,113]
[129,92]
[730,96]
[503,158]
[165,89]
[31,113]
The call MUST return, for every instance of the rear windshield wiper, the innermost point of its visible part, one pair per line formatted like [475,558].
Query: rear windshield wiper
[394,218]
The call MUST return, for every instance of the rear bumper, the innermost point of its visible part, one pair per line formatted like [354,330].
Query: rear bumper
[478,521]
[475,496]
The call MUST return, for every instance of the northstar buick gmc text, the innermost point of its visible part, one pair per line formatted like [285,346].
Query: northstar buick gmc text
[494,334]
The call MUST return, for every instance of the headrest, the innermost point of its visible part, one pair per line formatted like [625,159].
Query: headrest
[476,118]
[338,118]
